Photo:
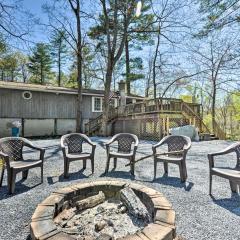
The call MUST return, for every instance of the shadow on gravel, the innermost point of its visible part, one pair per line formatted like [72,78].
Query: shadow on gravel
[53,153]
[19,188]
[72,176]
[231,204]
[175,182]
[118,174]
[29,237]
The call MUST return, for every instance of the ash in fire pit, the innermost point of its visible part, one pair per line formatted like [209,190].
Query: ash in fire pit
[96,217]
[104,210]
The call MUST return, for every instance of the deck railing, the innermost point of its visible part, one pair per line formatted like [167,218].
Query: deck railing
[190,111]
[166,105]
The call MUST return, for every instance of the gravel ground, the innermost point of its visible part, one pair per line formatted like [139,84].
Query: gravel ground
[198,216]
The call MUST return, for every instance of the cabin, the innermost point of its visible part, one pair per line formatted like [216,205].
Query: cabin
[50,111]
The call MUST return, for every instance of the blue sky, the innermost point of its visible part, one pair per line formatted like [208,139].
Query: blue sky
[35,7]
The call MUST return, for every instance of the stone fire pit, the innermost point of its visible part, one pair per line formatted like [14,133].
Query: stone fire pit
[104,210]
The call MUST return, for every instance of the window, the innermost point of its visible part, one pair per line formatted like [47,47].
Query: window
[27,95]
[97,104]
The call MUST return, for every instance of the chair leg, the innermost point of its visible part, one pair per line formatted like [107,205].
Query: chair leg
[155,169]
[2,174]
[107,165]
[165,164]
[132,166]
[84,164]
[25,174]
[9,178]
[210,184]
[115,163]
[66,168]
[185,170]
[92,164]
[42,173]
[181,172]
[233,186]
[13,179]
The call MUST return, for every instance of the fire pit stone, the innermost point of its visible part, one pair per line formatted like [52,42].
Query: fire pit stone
[162,225]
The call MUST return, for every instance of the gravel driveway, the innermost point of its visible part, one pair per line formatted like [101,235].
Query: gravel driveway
[198,215]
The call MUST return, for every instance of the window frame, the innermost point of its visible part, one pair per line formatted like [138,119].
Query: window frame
[93,104]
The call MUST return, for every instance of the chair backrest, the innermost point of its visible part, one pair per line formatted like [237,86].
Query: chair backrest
[125,141]
[13,147]
[177,142]
[74,142]
[238,154]
[236,148]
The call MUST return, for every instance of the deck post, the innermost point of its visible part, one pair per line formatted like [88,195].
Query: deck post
[167,125]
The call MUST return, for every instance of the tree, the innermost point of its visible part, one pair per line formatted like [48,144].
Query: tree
[15,22]
[23,66]
[114,22]
[136,38]
[40,63]
[58,51]
[75,6]
[168,22]
[73,37]
[219,14]
[9,65]
[219,61]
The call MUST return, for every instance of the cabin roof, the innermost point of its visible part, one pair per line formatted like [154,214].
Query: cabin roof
[54,89]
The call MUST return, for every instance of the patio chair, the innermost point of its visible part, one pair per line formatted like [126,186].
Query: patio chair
[178,147]
[11,152]
[72,148]
[232,174]
[126,148]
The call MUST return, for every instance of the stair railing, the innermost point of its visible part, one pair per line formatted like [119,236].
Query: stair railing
[218,131]
[93,124]
[198,120]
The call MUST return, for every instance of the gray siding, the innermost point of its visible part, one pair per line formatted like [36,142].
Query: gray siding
[44,114]
[42,105]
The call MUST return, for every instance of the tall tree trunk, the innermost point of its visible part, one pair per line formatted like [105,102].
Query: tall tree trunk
[59,66]
[213,105]
[154,65]
[12,75]
[76,10]
[148,78]
[41,73]
[79,69]
[113,54]
[108,82]
[128,80]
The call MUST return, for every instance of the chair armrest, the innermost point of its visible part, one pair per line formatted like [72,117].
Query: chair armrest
[88,140]
[30,145]
[154,147]
[42,151]
[107,144]
[225,151]
[110,141]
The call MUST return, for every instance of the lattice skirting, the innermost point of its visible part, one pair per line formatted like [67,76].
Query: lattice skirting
[148,127]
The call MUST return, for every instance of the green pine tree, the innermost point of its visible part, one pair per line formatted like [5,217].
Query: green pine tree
[40,64]
[59,52]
